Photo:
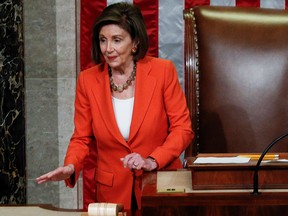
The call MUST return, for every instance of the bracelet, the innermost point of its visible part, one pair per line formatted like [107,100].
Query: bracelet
[153,159]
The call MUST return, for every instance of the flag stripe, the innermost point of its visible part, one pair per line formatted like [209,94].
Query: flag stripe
[116,1]
[276,4]
[149,9]
[223,3]
[89,11]
[193,3]
[171,33]
[248,3]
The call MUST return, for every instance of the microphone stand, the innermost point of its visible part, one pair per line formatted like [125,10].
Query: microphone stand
[255,183]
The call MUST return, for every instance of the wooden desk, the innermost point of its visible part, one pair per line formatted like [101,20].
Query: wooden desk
[212,202]
[238,176]
[37,210]
[46,210]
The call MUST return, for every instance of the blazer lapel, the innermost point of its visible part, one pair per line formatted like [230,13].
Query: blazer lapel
[102,94]
[145,86]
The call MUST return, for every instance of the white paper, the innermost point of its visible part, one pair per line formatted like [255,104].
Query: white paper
[217,160]
[276,161]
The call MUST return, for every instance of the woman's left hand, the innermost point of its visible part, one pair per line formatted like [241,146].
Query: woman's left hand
[135,161]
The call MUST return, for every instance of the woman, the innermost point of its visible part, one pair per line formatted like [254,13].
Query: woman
[132,105]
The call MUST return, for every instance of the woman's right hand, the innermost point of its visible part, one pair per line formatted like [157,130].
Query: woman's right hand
[59,174]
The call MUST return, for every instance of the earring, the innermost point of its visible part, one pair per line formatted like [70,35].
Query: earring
[134,50]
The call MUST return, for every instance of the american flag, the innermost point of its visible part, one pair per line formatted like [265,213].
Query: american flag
[165,27]
[164,22]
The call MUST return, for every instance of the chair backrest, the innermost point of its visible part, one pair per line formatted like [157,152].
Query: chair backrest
[236,78]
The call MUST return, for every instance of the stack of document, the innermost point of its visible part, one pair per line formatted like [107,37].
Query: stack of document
[237,159]
[214,160]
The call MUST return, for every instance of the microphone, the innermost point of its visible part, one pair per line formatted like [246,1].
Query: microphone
[255,183]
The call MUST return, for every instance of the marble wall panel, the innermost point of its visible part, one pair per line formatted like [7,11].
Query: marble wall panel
[12,119]
[50,77]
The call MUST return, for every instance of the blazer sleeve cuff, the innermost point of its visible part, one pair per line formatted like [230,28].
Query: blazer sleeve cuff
[71,181]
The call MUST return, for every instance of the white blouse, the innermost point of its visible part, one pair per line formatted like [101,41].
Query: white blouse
[123,109]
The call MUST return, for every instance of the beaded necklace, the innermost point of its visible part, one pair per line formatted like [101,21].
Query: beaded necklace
[121,88]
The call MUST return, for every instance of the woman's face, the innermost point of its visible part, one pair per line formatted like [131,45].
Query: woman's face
[116,44]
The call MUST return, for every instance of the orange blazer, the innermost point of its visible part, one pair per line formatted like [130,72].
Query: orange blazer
[160,127]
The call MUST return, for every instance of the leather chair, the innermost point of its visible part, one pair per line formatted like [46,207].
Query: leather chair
[236,78]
